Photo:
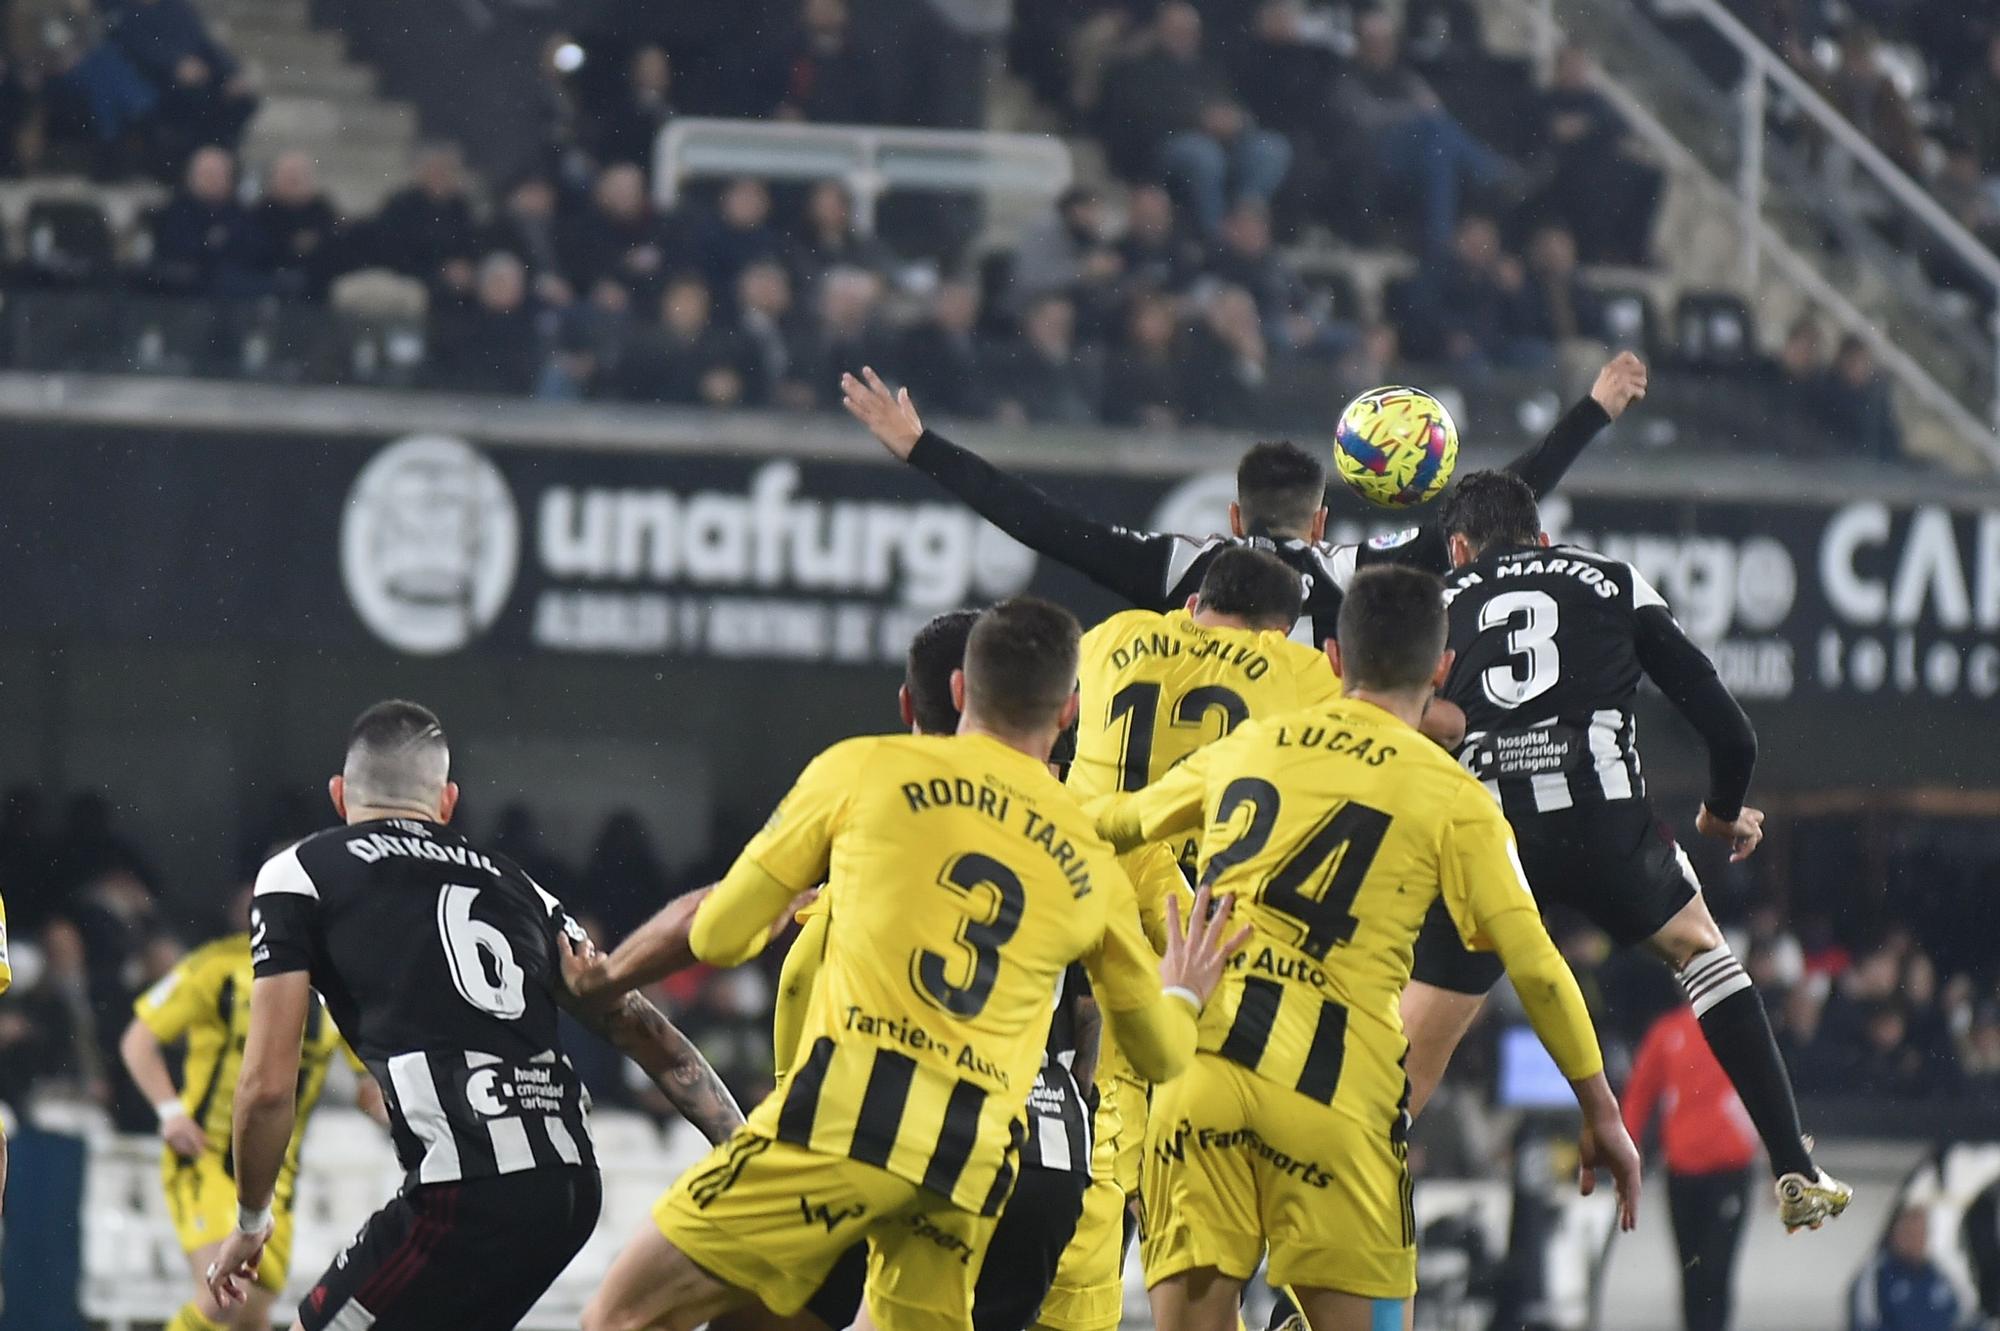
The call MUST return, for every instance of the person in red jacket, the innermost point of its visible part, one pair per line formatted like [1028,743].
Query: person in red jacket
[1710,1145]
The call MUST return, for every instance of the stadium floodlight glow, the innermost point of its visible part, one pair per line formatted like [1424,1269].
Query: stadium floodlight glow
[569,57]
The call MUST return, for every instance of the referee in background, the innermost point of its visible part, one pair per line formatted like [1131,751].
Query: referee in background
[1710,1145]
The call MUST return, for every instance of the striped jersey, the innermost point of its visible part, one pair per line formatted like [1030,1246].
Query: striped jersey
[1548,661]
[964,881]
[438,961]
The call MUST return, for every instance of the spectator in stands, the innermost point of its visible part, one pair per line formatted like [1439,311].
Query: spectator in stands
[591,334]
[1979,1048]
[426,230]
[625,882]
[26,858]
[618,236]
[493,345]
[1370,361]
[1157,252]
[1855,406]
[827,237]
[1228,363]
[517,834]
[48,1029]
[298,230]
[1142,379]
[526,228]
[1975,111]
[942,358]
[1170,109]
[1865,93]
[1903,1288]
[1417,144]
[1794,375]
[826,78]
[1042,377]
[776,342]
[1553,304]
[1287,77]
[1245,257]
[737,234]
[1062,251]
[1603,194]
[1457,309]
[203,97]
[627,129]
[688,359]
[849,332]
[204,242]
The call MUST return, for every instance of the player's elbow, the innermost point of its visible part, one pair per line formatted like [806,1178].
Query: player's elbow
[135,1045]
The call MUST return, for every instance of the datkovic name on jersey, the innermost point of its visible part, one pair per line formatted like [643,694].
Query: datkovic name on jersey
[380,845]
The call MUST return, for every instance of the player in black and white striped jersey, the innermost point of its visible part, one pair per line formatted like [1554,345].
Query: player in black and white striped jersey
[1550,643]
[444,966]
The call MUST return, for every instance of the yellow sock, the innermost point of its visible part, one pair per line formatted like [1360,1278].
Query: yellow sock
[189,1318]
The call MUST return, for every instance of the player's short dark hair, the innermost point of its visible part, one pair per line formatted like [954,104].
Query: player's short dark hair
[1254,586]
[1279,487]
[1392,629]
[396,751]
[1491,508]
[936,651]
[1020,663]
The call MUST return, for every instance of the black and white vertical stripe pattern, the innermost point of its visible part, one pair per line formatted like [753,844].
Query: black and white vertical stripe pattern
[1058,1122]
[1611,772]
[462,1111]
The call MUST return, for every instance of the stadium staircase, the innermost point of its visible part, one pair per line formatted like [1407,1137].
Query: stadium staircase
[317,99]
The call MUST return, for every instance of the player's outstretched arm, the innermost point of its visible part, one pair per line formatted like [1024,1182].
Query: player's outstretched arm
[1169,806]
[641,1032]
[1619,384]
[266,1107]
[656,949]
[1685,674]
[1134,565]
[140,1051]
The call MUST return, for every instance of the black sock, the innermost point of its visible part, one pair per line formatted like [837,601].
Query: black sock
[1282,1309]
[1738,1029]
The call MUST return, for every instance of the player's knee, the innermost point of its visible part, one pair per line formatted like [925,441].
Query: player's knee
[1686,939]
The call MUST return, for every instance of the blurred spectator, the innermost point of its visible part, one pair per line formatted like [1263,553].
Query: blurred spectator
[526,228]
[1228,363]
[1370,361]
[1553,304]
[1903,1288]
[618,236]
[1170,109]
[299,232]
[26,859]
[1286,76]
[1604,195]
[48,1029]
[1042,377]
[826,78]
[591,334]
[624,883]
[426,230]
[1890,1064]
[738,234]
[1417,144]
[1142,381]
[627,128]
[1245,257]
[1794,374]
[688,359]
[1156,251]
[1975,113]
[1460,302]
[202,97]
[1865,93]
[204,241]
[494,345]
[828,238]
[1855,407]
[942,358]
[1063,251]
[1979,1049]
[517,834]
[777,343]
[849,334]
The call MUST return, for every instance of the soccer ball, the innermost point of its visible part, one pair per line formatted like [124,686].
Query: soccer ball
[1395,446]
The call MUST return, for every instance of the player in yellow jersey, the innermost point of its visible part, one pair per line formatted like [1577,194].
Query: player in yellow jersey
[205,1002]
[1335,828]
[966,881]
[6,983]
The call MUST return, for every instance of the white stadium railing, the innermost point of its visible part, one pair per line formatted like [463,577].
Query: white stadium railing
[870,160]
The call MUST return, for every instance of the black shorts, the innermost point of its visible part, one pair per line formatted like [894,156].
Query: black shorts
[473,1256]
[1614,864]
[1028,1241]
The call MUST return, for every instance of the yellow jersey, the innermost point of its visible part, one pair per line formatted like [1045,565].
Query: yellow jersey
[964,880]
[6,966]
[206,1001]
[1335,829]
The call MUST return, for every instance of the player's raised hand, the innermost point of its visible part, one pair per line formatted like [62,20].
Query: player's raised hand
[234,1269]
[890,417]
[1606,1145]
[1620,384]
[1197,956]
[1744,832]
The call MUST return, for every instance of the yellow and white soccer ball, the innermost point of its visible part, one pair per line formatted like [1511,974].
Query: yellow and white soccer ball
[1395,446]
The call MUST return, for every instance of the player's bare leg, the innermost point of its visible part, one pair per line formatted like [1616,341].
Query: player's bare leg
[1435,1020]
[1203,1299]
[654,1286]
[1738,1030]
[253,1314]
[1331,1310]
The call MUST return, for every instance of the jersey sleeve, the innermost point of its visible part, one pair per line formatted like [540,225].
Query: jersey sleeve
[1544,465]
[284,917]
[796,842]
[1156,877]
[1479,868]
[1123,968]
[6,965]
[178,999]
[1171,804]
[1686,675]
[1139,566]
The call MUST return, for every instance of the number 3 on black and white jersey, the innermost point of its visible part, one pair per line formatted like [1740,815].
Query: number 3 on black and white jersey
[483,969]
[1534,663]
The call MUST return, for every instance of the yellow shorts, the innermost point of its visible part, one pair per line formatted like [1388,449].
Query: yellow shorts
[1089,1289]
[772,1218]
[201,1200]
[1235,1163]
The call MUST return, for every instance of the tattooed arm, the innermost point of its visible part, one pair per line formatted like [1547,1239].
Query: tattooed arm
[641,1032]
